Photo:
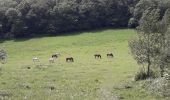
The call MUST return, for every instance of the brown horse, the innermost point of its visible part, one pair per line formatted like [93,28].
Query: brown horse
[110,55]
[54,56]
[97,56]
[70,59]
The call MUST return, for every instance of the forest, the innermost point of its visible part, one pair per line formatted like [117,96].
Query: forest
[54,17]
[20,18]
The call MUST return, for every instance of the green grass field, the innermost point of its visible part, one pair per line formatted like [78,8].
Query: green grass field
[85,79]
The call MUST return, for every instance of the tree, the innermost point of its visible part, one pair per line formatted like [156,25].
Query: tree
[146,48]
[12,14]
[165,54]
[167,50]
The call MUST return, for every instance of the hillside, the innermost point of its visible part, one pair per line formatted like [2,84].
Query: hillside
[86,78]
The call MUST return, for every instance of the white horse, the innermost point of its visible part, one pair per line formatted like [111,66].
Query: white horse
[51,60]
[35,59]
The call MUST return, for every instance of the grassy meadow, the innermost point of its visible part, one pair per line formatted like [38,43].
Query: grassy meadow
[85,79]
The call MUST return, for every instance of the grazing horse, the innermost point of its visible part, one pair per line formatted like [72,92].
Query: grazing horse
[35,59]
[54,56]
[51,60]
[70,59]
[110,55]
[97,56]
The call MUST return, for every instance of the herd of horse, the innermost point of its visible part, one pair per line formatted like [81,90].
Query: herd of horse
[70,59]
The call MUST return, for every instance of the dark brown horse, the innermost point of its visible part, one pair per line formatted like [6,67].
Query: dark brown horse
[110,55]
[97,56]
[70,59]
[54,56]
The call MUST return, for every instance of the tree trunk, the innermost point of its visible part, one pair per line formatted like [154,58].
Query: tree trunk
[162,71]
[149,64]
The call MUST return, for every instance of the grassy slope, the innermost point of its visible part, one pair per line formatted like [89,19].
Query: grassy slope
[87,78]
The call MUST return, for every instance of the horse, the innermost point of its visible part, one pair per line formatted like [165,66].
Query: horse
[51,60]
[97,56]
[110,55]
[35,59]
[70,59]
[54,56]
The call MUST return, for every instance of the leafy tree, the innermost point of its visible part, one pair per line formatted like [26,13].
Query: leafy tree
[23,7]
[165,43]
[146,48]
[167,51]
[12,14]
[151,48]
[142,5]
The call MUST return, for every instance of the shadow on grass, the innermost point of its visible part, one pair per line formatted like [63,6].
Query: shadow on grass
[73,33]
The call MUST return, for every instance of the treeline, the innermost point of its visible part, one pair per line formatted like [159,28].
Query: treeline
[20,18]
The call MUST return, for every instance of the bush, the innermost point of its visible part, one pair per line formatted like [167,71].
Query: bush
[154,73]
[142,74]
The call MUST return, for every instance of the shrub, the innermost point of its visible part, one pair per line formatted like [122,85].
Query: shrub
[154,73]
[142,74]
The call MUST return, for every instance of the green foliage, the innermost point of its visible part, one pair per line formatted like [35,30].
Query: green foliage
[12,14]
[166,17]
[167,50]
[143,5]
[58,16]
[139,50]
[141,75]
[150,49]
[146,49]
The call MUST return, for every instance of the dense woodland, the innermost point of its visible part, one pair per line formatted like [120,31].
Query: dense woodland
[36,17]
[20,18]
